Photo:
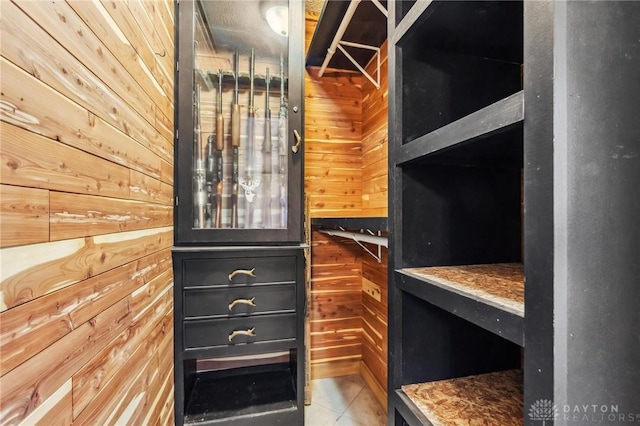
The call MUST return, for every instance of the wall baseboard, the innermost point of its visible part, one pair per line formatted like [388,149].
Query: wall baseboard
[326,369]
[378,391]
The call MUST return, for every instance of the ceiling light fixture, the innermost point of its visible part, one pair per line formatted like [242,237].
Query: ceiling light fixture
[278,19]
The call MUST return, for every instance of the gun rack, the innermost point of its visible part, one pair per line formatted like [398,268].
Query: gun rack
[209,81]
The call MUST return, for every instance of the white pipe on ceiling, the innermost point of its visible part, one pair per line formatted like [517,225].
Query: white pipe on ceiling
[341,30]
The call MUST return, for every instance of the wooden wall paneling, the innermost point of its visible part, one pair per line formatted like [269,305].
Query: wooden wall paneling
[31,327]
[330,333]
[24,213]
[375,141]
[75,215]
[58,68]
[335,307]
[166,177]
[346,87]
[372,361]
[161,66]
[28,328]
[333,135]
[63,25]
[35,270]
[374,146]
[332,130]
[35,380]
[163,379]
[375,101]
[128,22]
[57,409]
[375,324]
[319,146]
[338,107]
[343,152]
[86,121]
[163,22]
[95,15]
[122,397]
[100,385]
[29,159]
[336,304]
[69,123]
[164,126]
[146,188]
[163,400]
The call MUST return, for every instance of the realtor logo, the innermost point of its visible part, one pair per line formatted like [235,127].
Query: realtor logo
[543,409]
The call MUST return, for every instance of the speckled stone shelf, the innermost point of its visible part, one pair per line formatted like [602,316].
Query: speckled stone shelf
[500,285]
[485,399]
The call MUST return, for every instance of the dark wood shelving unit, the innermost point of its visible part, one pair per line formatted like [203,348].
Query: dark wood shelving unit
[504,149]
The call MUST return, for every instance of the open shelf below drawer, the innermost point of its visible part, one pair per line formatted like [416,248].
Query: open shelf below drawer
[219,396]
[496,398]
[491,296]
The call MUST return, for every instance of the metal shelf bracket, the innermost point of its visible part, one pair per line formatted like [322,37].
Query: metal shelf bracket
[360,237]
[338,43]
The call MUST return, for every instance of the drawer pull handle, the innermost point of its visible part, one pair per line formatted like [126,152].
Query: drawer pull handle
[248,272]
[249,333]
[242,302]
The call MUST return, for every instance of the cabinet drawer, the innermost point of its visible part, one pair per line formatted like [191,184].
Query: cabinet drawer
[220,332]
[216,271]
[231,301]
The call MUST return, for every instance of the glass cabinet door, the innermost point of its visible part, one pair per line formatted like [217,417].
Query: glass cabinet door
[239,145]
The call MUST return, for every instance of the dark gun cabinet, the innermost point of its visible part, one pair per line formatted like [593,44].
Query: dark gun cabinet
[239,122]
[238,258]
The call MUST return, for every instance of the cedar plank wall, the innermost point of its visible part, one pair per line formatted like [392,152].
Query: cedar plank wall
[374,203]
[86,187]
[346,176]
[333,186]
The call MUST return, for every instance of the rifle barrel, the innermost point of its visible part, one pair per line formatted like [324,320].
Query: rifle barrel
[200,192]
[235,143]
[217,222]
[266,159]
[282,148]
[251,181]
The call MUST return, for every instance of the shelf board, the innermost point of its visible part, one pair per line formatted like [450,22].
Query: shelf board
[490,296]
[221,397]
[372,223]
[485,122]
[495,397]
[413,18]
[487,29]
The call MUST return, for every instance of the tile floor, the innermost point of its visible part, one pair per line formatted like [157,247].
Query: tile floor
[343,401]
